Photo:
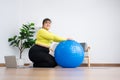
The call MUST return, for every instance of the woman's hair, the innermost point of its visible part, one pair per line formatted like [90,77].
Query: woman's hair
[46,19]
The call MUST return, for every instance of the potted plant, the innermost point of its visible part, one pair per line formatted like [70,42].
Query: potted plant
[25,38]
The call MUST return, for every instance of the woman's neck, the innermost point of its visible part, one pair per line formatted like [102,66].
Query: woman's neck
[45,28]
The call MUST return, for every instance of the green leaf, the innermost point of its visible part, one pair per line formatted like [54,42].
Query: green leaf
[25,39]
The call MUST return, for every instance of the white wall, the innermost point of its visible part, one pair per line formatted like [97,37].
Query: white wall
[93,21]
[9,26]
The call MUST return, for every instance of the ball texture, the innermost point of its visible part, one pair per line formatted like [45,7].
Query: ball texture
[69,54]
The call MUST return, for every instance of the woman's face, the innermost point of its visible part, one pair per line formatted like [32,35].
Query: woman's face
[47,25]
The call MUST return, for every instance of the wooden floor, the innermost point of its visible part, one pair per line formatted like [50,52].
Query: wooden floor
[58,73]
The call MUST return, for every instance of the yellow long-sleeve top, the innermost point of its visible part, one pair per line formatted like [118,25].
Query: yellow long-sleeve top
[45,38]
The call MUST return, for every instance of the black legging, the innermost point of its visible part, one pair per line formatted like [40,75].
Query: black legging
[40,57]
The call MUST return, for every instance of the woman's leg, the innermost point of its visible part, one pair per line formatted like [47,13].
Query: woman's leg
[46,61]
[41,58]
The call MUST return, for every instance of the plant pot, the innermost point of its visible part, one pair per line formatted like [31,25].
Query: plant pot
[20,62]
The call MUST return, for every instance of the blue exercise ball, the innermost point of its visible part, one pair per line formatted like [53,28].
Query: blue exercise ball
[69,54]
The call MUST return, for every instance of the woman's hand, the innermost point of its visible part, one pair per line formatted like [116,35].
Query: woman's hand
[69,38]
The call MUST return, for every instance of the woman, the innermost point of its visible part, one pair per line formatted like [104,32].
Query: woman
[39,53]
